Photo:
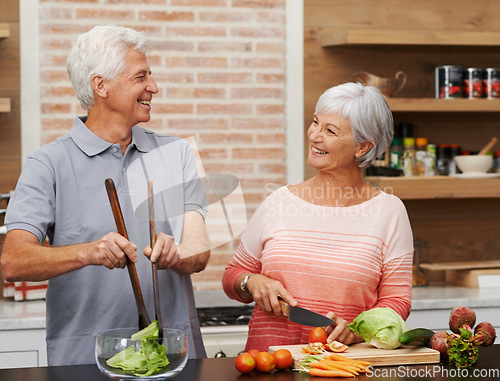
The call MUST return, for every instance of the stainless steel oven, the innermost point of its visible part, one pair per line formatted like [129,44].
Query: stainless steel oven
[224,323]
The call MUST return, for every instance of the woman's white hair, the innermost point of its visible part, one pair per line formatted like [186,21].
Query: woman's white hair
[101,51]
[367,111]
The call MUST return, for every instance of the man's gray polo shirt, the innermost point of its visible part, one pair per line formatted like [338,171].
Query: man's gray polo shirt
[61,194]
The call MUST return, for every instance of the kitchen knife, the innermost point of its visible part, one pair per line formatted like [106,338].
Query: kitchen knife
[305,317]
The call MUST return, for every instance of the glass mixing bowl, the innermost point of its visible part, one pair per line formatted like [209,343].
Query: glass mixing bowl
[113,341]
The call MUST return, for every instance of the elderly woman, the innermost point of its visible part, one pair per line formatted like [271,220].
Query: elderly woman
[61,195]
[332,244]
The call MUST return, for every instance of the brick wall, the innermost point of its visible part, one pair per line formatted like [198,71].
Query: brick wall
[220,68]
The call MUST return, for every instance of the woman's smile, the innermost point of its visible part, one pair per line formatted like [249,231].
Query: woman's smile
[318,151]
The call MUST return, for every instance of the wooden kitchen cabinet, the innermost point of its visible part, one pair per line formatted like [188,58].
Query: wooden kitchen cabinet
[457,217]
[4,105]
[390,36]
[4,33]
[438,186]
[4,30]
[443,105]
[10,96]
[342,37]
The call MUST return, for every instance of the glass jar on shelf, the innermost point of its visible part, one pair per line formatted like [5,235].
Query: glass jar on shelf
[396,153]
[420,152]
[430,160]
[408,160]
[442,159]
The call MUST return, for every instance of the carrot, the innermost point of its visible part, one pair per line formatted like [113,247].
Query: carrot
[332,365]
[318,365]
[329,373]
[337,357]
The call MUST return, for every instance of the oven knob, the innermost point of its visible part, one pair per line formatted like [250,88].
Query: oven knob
[219,355]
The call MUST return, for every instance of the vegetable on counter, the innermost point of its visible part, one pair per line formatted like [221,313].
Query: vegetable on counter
[484,334]
[332,365]
[463,351]
[151,357]
[380,326]
[263,362]
[441,342]
[318,348]
[460,348]
[245,362]
[318,335]
[418,337]
[461,317]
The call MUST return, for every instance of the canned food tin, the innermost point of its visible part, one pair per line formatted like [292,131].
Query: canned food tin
[449,81]
[473,83]
[491,83]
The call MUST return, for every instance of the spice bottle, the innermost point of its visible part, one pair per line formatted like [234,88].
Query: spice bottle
[408,160]
[396,153]
[420,153]
[405,130]
[430,160]
[442,158]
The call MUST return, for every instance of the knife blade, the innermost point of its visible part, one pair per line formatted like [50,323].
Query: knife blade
[303,316]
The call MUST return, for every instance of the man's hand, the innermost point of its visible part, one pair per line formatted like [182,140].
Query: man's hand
[24,258]
[111,251]
[165,252]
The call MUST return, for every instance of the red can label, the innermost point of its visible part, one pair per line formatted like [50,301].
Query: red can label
[449,80]
[491,83]
[473,83]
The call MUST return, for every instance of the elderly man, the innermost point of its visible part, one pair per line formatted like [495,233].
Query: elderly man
[61,195]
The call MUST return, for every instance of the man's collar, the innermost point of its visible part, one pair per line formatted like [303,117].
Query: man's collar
[93,145]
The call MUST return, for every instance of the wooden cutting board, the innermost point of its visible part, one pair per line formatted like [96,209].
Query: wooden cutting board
[377,357]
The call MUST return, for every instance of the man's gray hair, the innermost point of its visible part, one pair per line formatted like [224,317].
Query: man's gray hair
[101,51]
[368,112]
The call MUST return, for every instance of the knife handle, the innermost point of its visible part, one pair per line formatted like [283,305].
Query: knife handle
[285,308]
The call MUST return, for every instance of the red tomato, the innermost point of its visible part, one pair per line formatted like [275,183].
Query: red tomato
[265,362]
[284,358]
[244,363]
[318,335]
[253,352]
[336,346]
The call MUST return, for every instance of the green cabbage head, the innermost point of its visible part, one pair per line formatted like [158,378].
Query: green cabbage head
[380,326]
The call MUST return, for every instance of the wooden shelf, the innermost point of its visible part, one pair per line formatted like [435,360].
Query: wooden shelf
[444,105]
[464,265]
[420,188]
[4,30]
[369,36]
[4,105]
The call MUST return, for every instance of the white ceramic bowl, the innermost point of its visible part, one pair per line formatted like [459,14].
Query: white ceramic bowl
[474,164]
[113,341]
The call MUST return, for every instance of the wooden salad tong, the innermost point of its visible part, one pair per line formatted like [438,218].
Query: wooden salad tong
[144,320]
[152,235]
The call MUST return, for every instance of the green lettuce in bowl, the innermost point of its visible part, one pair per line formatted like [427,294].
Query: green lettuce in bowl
[126,354]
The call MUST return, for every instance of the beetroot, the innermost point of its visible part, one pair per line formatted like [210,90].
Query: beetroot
[461,317]
[484,334]
[441,341]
